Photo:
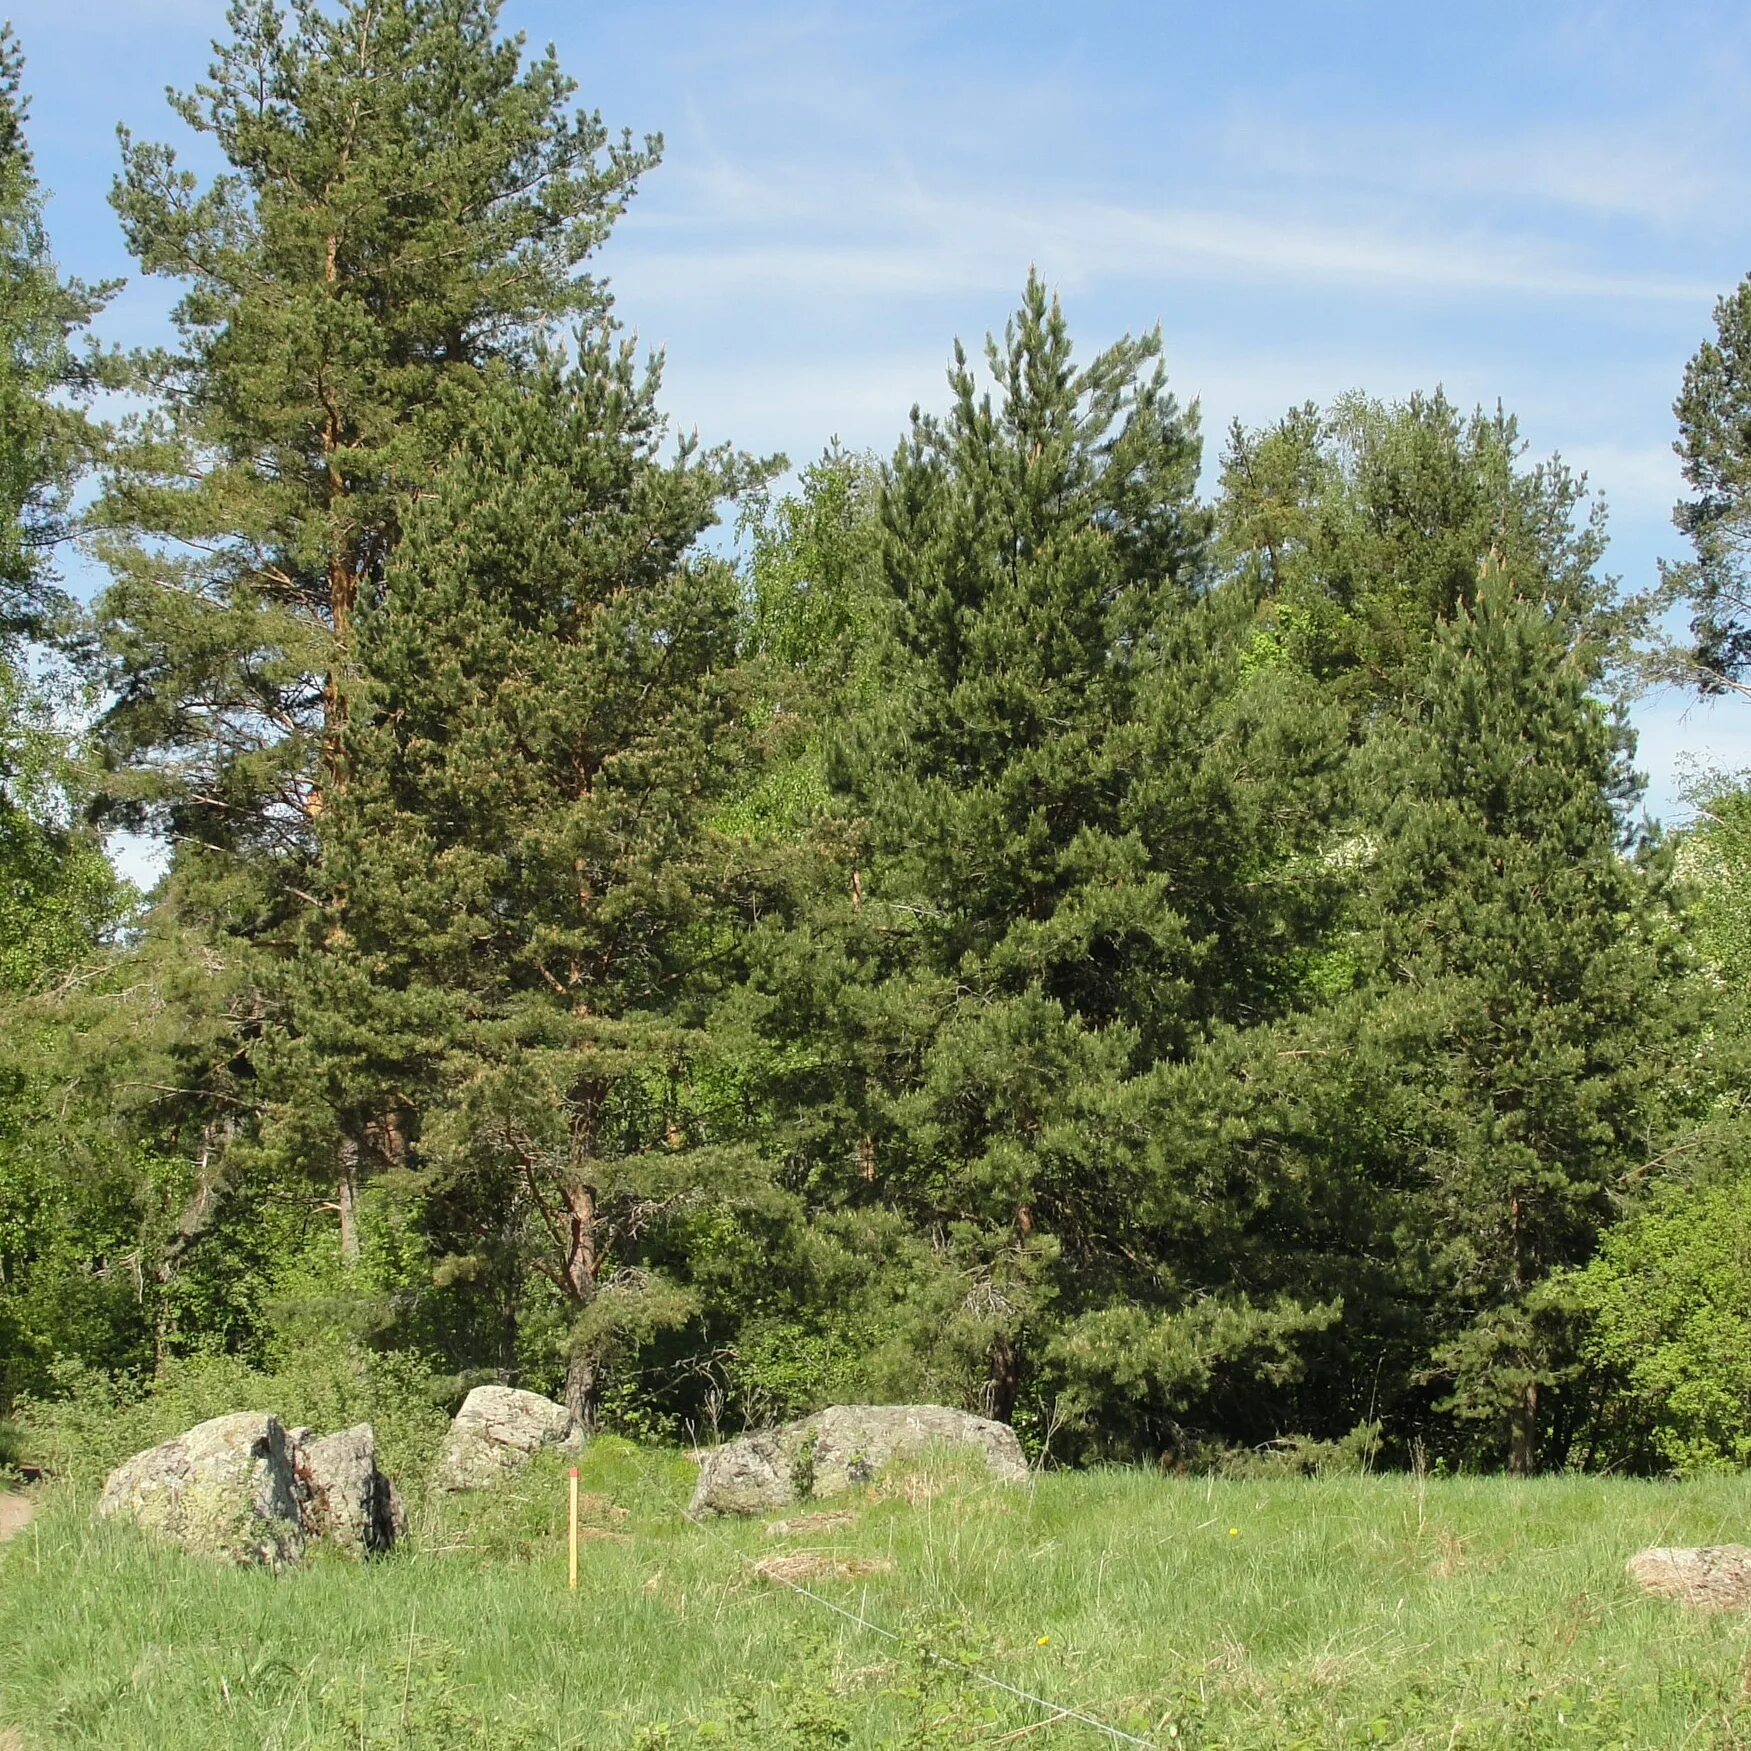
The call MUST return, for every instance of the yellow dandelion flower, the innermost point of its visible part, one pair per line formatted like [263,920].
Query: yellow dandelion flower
[1045,1641]
[1233,1531]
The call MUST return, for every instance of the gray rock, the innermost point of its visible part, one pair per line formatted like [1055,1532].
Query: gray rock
[343,1496]
[1713,1578]
[839,1449]
[753,1473]
[226,1488]
[496,1433]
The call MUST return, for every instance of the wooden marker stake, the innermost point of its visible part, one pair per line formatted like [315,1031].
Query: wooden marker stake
[574,1530]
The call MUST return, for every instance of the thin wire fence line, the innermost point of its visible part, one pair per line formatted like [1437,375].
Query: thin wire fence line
[1058,1710]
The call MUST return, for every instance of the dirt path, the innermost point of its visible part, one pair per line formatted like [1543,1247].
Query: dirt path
[16,1512]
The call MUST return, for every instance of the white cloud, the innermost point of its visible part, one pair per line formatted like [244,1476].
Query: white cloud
[1660,174]
[842,238]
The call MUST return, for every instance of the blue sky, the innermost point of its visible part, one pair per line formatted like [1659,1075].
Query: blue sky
[1536,203]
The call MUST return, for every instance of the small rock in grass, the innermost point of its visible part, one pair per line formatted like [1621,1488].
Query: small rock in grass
[343,1496]
[1713,1578]
[807,1525]
[814,1565]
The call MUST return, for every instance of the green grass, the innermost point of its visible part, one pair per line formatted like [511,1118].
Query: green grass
[1336,1613]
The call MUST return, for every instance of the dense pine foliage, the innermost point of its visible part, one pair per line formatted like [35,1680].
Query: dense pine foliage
[1180,973]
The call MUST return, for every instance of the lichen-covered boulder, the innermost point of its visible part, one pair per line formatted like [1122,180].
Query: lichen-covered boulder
[343,1496]
[1712,1578]
[752,1473]
[498,1430]
[839,1449]
[227,1488]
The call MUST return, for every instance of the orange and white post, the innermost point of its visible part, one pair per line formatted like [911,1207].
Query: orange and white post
[572,1569]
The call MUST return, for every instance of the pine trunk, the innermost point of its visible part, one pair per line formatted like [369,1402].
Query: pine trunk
[1004,1385]
[1523,1432]
[197,1214]
[347,1202]
[583,1393]
[1523,1419]
[583,1373]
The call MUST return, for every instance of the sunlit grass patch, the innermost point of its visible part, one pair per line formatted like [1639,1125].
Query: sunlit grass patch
[1345,1612]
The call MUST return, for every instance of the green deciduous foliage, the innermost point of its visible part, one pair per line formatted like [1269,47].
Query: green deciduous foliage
[1662,1310]
[1715,858]
[814,596]
[1666,1310]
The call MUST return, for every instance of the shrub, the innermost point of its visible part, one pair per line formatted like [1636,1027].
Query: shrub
[94,1421]
[1666,1322]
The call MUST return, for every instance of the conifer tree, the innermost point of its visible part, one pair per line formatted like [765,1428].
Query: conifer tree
[537,906]
[55,887]
[44,439]
[1522,1008]
[59,897]
[1080,831]
[1714,444]
[1363,526]
[407,205]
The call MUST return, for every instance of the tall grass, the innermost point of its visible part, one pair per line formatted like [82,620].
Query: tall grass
[1229,1616]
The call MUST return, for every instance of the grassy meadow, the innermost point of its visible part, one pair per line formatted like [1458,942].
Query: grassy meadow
[1304,1613]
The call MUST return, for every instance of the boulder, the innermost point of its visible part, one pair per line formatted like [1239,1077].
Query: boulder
[839,1449]
[496,1433]
[343,1496]
[1713,1578]
[227,1488]
[752,1474]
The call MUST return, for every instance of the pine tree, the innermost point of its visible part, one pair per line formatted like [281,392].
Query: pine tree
[59,898]
[1714,443]
[44,439]
[407,206]
[1080,831]
[536,903]
[55,887]
[1522,998]
[1364,526]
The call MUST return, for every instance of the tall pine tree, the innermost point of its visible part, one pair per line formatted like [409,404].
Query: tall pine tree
[1364,525]
[44,440]
[1081,850]
[1714,444]
[537,906]
[1522,1006]
[407,205]
[59,897]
